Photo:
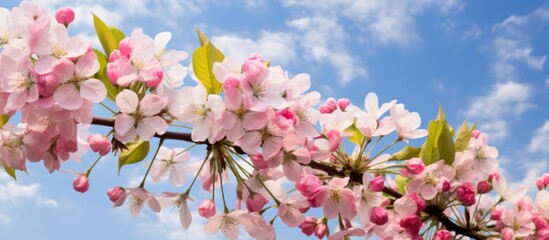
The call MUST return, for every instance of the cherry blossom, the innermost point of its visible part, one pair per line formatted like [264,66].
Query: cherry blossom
[138,197]
[170,161]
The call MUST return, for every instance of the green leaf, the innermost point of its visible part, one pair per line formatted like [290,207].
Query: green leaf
[3,120]
[202,38]
[464,135]
[401,183]
[440,115]
[105,35]
[356,136]
[203,60]
[118,35]
[112,90]
[9,170]
[137,151]
[439,144]
[406,153]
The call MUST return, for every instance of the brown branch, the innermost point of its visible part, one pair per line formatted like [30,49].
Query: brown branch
[432,211]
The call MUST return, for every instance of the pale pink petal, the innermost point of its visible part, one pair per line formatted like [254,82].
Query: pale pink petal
[127,101]
[214,224]
[93,90]
[123,123]
[250,142]
[151,104]
[154,204]
[151,125]
[87,65]
[185,216]
[177,177]
[255,120]
[68,97]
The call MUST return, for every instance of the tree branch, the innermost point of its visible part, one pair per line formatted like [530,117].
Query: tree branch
[432,211]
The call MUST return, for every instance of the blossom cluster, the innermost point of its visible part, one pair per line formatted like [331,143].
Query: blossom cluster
[287,151]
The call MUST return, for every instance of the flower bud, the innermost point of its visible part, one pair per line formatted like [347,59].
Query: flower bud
[155,77]
[308,226]
[115,193]
[446,186]
[484,187]
[443,234]
[497,212]
[206,209]
[258,161]
[334,138]
[539,222]
[64,15]
[125,47]
[377,184]
[466,194]
[476,133]
[543,233]
[47,84]
[114,71]
[415,166]
[412,224]
[255,203]
[81,183]
[320,230]
[308,185]
[99,144]
[285,119]
[493,175]
[507,234]
[420,202]
[342,103]
[379,215]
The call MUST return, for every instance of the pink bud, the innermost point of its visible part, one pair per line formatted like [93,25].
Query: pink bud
[546,179]
[446,186]
[258,161]
[342,103]
[466,194]
[206,209]
[540,184]
[47,84]
[377,184]
[497,212]
[115,55]
[320,230]
[285,119]
[484,187]
[539,222]
[543,233]
[81,183]
[64,15]
[125,47]
[379,215]
[99,144]
[155,77]
[255,203]
[443,234]
[331,103]
[415,166]
[507,234]
[412,224]
[334,138]
[114,71]
[308,227]
[492,176]
[115,193]
[308,184]
[476,133]
[420,202]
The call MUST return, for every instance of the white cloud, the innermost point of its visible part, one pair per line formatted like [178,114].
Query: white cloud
[168,225]
[12,192]
[540,140]
[5,219]
[532,170]
[273,46]
[41,201]
[390,21]
[502,101]
[509,50]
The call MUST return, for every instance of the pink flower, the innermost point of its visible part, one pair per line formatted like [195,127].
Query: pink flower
[20,81]
[115,193]
[320,230]
[542,202]
[483,187]
[64,15]
[519,222]
[443,234]
[99,144]
[308,184]
[511,195]
[507,234]
[429,182]
[497,212]
[379,215]
[178,201]
[415,166]
[484,155]
[368,199]
[336,198]
[170,161]
[412,224]
[228,223]
[138,197]
[206,209]
[138,117]
[406,123]
[466,194]
[342,103]
[255,202]
[420,202]
[292,156]
[81,183]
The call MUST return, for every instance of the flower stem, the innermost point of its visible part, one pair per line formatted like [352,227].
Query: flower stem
[150,165]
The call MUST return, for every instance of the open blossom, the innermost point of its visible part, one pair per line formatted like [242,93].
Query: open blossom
[19,81]
[430,181]
[138,117]
[519,222]
[511,195]
[406,123]
[368,199]
[228,223]
[336,198]
[179,202]
[138,197]
[204,111]
[170,161]
[484,155]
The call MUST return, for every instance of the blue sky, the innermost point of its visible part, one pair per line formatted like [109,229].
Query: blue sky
[483,61]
